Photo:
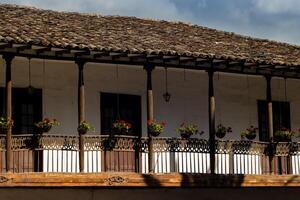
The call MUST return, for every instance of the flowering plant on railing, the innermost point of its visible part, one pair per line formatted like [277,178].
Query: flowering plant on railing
[250,133]
[187,130]
[84,127]
[155,128]
[121,126]
[284,135]
[5,123]
[222,130]
[46,124]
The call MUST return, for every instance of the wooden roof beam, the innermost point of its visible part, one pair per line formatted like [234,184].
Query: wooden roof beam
[154,56]
[5,45]
[203,63]
[218,61]
[202,60]
[22,47]
[34,50]
[183,59]
[116,54]
[249,64]
[136,55]
[265,66]
[78,53]
[16,48]
[96,54]
[42,49]
[234,64]
[166,58]
[295,69]
[59,52]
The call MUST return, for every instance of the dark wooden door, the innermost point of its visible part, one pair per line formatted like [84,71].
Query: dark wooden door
[120,106]
[115,107]
[27,110]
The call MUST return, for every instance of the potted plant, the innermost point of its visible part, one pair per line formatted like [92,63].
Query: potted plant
[187,130]
[84,127]
[283,135]
[155,128]
[222,130]
[250,133]
[121,127]
[5,123]
[46,124]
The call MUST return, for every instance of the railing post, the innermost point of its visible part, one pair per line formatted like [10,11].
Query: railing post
[37,153]
[270,123]
[231,160]
[81,111]
[150,113]
[211,113]
[8,109]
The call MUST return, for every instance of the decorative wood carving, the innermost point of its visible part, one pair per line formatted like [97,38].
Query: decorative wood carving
[115,180]
[3,179]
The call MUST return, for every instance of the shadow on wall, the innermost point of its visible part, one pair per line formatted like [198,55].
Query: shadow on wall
[195,180]
[151,180]
[211,180]
[291,180]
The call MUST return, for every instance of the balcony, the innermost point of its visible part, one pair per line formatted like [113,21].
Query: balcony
[58,153]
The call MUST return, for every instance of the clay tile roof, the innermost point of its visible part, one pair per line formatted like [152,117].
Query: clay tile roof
[129,34]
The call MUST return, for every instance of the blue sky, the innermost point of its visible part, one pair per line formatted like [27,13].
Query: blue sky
[271,19]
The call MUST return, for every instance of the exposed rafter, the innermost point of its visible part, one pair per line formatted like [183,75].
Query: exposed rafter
[174,61]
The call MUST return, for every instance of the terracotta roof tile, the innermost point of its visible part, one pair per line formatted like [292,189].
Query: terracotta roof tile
[129,34]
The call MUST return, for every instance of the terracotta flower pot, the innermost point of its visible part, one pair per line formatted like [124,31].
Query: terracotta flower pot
[220,134]
[185,135]
[154,133]
[82,131]
[46,129]
[118,131]
[251,136]
[282,138]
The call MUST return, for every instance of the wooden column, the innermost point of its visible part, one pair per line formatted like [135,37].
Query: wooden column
[211,114]
[270,108]
[81,111]
[270,123]
[8,110]
[150,113]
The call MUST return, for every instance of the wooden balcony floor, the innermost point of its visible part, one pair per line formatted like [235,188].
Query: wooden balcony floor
[145,180]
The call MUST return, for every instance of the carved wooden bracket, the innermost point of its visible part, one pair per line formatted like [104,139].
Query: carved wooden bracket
[3,179]
[115,180]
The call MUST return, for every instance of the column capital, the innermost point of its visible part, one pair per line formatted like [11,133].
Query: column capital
[268,77]
[8,58]
[210,73]
[268,88]
[80,63]
[149,67]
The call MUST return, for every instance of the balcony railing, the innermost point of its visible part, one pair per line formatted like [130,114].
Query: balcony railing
[58,153]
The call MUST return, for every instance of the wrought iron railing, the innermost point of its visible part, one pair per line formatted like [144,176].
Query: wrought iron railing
[102,153]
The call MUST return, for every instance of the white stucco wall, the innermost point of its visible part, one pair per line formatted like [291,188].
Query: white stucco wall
[235,104]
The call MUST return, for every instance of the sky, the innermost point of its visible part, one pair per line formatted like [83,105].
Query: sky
[271,19]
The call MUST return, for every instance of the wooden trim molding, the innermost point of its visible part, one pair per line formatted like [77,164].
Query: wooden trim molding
[144,180]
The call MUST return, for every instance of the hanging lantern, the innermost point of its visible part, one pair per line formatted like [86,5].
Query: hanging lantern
[30,88]
[166,95]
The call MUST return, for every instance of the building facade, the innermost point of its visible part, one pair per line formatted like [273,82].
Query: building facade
[80,68]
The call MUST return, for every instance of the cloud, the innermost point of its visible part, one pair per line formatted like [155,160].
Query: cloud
[278,6]
[155,9]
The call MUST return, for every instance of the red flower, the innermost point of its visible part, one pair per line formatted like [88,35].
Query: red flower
[163,123]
